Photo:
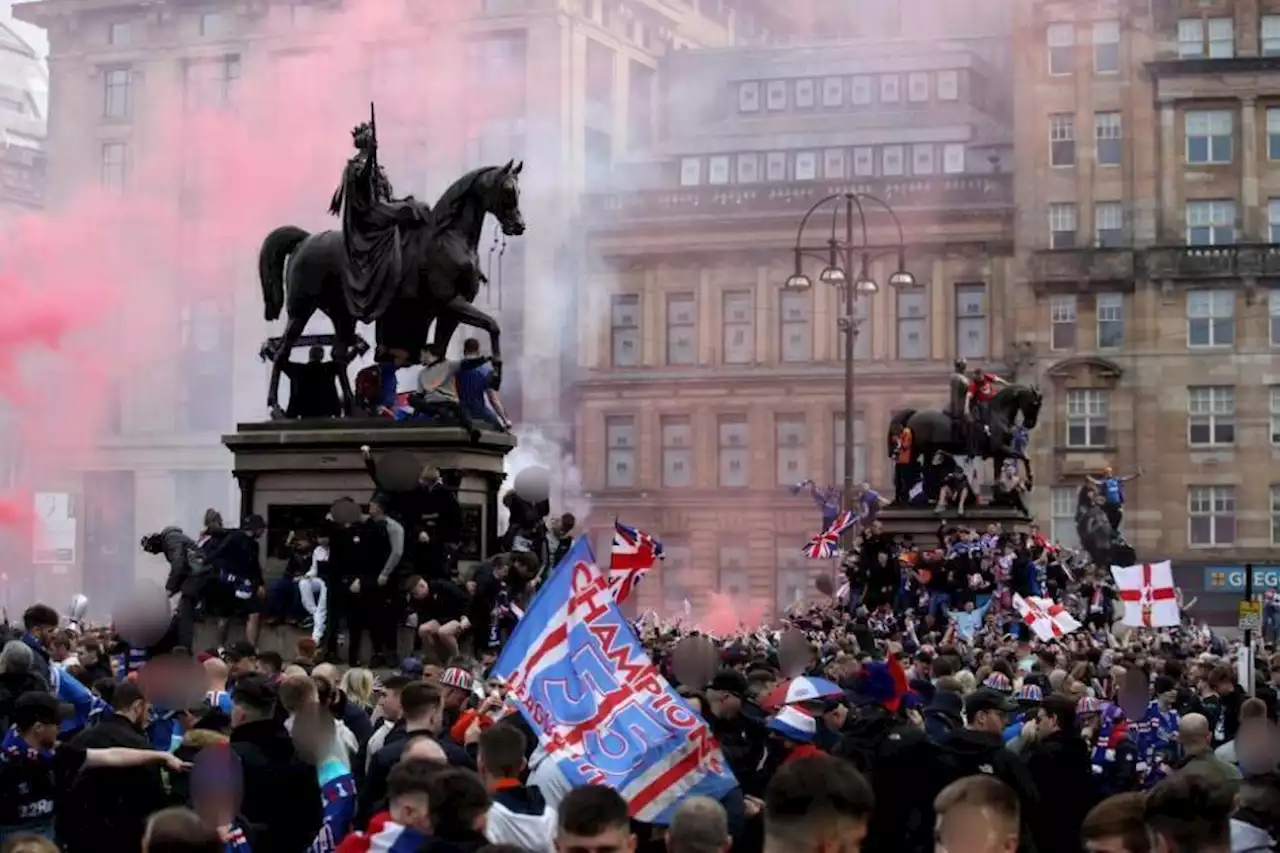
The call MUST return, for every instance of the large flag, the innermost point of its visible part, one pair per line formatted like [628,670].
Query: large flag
[825,544]
[632,556]
[602,711]
[1047,619]
[1150,599]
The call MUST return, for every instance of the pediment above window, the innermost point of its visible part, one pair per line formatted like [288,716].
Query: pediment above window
[1082,366]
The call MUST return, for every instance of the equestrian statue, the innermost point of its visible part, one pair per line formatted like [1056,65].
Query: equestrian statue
[1102,541]
[398,263]
[987,418]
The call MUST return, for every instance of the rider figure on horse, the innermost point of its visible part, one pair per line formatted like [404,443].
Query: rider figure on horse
[980,392]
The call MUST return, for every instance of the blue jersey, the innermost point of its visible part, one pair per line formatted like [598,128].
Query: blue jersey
[219,700]
[237,841]
[338,792]
[1158,741]
[1112,489]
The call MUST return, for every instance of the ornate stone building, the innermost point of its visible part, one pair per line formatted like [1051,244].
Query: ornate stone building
[707,389]
[1149,199]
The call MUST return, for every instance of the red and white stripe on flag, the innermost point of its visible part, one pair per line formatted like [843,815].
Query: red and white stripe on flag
[1047,619]
[1149,596]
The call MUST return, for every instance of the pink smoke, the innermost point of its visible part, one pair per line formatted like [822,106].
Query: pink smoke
[91,290]
[726,616]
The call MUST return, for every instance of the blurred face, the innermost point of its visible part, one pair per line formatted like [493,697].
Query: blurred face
[972,829]
[45,734]
[616,839]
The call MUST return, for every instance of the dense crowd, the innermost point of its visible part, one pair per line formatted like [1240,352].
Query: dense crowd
[912,708]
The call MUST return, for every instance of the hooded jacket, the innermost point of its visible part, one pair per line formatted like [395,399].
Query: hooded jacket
[281,791]
[186,563]
[944,715]
[1247,838]
[521,817]
[1060,770]
[966,752]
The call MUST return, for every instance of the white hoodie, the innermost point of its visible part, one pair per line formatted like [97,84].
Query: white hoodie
[520,816]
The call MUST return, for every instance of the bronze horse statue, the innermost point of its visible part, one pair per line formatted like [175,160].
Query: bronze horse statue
[443,276]
[933,430]
[1102,542]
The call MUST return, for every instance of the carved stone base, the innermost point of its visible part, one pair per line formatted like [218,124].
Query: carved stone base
[291,472]
[922,523]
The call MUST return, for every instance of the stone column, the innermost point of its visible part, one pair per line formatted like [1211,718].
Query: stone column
[1250,226]
[1172,161]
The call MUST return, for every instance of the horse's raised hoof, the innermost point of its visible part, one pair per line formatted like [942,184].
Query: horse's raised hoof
[277,413]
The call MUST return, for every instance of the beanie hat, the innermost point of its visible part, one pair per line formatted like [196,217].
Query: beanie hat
[794,724]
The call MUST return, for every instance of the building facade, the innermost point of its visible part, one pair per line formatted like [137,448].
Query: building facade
[577,78]
[708,389]
[1149,194]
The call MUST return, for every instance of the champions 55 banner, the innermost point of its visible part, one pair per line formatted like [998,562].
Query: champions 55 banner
[602,711]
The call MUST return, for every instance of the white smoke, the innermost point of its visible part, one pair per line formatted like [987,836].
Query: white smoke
[534,448]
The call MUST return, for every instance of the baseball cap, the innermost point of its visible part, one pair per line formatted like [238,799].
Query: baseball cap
[985,699]
[38,707]
[241,650]
[730,681]
[458,678]
[411,667]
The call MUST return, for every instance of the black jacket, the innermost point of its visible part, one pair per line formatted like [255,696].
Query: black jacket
[281,790]
[966,752]
[13,685]
[742,740]
[187,565]
[110,803]
[1061,771]
[372,796]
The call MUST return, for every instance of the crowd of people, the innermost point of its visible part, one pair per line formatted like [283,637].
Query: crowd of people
[910,709]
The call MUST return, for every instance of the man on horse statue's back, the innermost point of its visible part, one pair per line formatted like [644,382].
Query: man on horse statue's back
[371,224]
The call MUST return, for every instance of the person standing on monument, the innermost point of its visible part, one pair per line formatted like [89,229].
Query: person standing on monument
[980,392]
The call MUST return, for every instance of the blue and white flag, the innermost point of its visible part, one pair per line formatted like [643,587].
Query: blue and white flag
[576,670]
[69,690]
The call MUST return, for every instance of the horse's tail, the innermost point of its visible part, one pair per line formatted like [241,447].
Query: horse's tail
[276,249]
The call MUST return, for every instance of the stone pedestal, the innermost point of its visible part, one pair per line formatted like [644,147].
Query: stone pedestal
[922,523]
[291,472]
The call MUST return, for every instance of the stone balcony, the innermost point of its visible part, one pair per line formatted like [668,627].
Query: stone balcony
[793,198]
[1080,268]
[1241,261]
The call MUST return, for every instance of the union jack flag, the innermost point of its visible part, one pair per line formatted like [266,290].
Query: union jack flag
[825,544]
[633,554]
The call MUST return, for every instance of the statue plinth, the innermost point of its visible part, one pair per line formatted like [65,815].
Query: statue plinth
[291,472]
[922,522]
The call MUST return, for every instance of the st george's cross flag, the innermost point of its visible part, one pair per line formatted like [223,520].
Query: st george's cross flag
[633,554]
[1149,596]
[1047,619]
[825,544]
[600,708]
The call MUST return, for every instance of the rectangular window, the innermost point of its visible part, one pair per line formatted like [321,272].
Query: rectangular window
[677,452]
[1211,318]
[791,443]
[953,158]
[738,308]
[1211,223]
[860,90]
[115,165]
[749,97]
[1191,38]
[734,450]
[891,160]
[1062,226]
[918,86]
[1270,35]
[1275,414]
[776,166]
[1062,140]
[1110,320]
[718,171]
[620,452]
[734,575]
[1108,219]
[748,168]
[833,163]
[625,330]
[971,321]
[120,34]
[212,25]
[1062,48]
[1062,516]
[1273,133]
[913,324]
[1062,322]
[1211,515]
[690,171]
[1275,515]
[795,309]
[117,93]
[210,83]
[804,94]
[1211,415]
[1108,134]
[864,162]
[1222,38]
[776,95]
[922,159]
[1087,417]
[1106,47]
[1273,303]
[1273,220]
[859,448]
[948,85]
[682,328]
[889,88]
[1209,136]
[806,166]
[832,91]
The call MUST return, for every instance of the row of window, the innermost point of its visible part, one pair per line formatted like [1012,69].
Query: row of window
[1209,222]
[1108,135]
[1211,515]
[1209,137]
[1215,37]
[1105,41]
[211,25]
[862,161]
[1211,417]
[920,87]
[207,83]
[794,318]
[791,440]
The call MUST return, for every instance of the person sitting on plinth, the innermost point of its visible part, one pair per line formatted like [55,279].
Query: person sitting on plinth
[313,391]
[437,392]
[477,387]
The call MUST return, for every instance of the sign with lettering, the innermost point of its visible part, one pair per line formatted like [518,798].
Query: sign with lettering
[1231,578]
[579,675]
[1250,616]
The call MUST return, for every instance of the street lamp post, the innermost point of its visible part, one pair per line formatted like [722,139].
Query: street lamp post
[842,257]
